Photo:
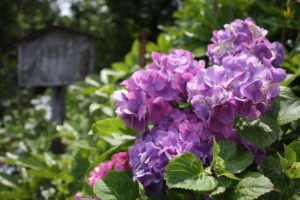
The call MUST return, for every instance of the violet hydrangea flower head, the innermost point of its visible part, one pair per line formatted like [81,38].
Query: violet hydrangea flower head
[242,85]
[243,35]
[180,132]
[119,162]
[153,92]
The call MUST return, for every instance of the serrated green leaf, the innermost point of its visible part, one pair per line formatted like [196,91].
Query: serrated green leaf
[288,107]
[223,184]
[287,93]
[252,186]
[186,172]
[290,154]
[117,186]
[112,125]
[271,168]
[235,160]
[262,132]
[295,145]
[289,111]
[283,162]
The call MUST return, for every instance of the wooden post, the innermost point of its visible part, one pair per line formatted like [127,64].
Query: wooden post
[58,116]
[58,104]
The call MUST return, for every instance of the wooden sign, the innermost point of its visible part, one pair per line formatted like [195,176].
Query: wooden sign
[55,56]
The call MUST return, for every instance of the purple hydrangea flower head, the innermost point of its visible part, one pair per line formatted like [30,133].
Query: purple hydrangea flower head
[119,162]
[180,132]
[243,82]
[243,35]
[152,92]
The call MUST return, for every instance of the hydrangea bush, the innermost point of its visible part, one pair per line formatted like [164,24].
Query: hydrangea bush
[204,130]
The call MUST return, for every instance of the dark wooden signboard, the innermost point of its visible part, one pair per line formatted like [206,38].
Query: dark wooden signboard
[55,57]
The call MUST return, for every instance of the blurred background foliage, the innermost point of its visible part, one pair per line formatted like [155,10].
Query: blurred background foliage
[28,169]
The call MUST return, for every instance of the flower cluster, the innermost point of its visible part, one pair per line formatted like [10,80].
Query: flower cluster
[244,35]
[180,132]
[153,92]
[243,80]
[119,162]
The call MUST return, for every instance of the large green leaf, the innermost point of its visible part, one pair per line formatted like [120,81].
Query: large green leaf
[80,164]
[262,132]
[228,160]
[288,106]
[112,125]
[117,186]
[290,154]
[295,145]
[252,186]
[235,160]
[186,172]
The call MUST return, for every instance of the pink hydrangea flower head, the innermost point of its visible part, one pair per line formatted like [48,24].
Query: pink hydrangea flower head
[119,162]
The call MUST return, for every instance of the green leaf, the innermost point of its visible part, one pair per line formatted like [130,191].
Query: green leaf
[251,187]
[24,160]
[9,180]
[186,172]
[283,162]
[287,93]
[288,81]
[80,164]
[288,107]
[262,132]
[17,194]
[295,145]
[216,148]
[223,184]
[290,154]
[111,125]
[236,160]
[295,195]
[164,42]
[120,66]
[184,105]
[271,168]
[117,186]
